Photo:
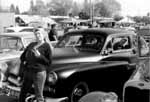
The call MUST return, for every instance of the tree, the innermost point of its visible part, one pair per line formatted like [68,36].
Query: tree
[144,19]
[75,9]
[137,19]
[102,10]
[17,11]
[83,15]
[60,7]
[31,7]
[86,7]
[38,9]
[107,8]
[12,8]
[113,6]
[117,17]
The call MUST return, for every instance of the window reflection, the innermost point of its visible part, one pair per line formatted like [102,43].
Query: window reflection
[10,43]
[83,41]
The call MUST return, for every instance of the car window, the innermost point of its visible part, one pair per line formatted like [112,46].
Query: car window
[27,30]
[27,41]
[143,46]
[9,31]
[10,43]
[84,41]
[109,46]
[121,43]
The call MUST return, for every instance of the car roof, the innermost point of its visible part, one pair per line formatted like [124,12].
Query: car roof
[17,29]
[102,31]
[19,34]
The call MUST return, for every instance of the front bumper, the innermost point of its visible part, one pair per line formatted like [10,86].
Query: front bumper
[55,95]
[63,99]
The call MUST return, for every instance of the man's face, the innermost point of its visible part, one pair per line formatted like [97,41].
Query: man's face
[39,36]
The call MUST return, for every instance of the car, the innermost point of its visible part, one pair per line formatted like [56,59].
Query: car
[137,88]
[11,47]
[19,29]
[27,29]
[86,60]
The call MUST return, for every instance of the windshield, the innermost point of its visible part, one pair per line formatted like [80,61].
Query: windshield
[10,43]
[27,30]
[82,41]
[27,41]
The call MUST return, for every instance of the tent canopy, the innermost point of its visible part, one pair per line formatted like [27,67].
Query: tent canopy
[126,20]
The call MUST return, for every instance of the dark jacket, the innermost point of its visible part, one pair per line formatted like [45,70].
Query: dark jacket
[52,34]
[40,63]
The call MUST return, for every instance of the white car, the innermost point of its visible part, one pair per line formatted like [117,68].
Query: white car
[27,29]
[11,47]
[19,29]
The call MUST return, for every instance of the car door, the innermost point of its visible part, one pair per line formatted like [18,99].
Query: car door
[121,48]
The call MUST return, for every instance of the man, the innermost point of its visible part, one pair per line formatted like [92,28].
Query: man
[37,59]
[52,34]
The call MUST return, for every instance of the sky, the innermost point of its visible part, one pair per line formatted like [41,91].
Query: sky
[129,7]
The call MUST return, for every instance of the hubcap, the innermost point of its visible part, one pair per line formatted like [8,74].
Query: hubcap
[80,90]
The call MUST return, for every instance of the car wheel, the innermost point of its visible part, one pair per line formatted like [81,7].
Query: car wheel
[30,98]
[79,90]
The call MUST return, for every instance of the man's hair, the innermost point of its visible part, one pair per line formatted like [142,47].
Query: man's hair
[53,25]
[35,30]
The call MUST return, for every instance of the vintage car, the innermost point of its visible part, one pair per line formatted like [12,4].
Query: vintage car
[11,47]
[91,59]
[19,29]
[137,88]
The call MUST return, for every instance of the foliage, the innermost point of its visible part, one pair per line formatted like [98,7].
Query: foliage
[144,19]
[17,11]
[107,8]
[87,7]
[38,9]
[60,7]
[83,15]
[103,10]
[75,9]
[12,8]
[118,17]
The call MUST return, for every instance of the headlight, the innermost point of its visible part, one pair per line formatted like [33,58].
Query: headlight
[3,67]
[52,77]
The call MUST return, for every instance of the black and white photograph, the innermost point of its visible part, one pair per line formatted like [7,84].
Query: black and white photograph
[74,51]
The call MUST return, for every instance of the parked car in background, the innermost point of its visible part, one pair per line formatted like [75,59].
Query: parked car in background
[137,88]
[11,47]
[19,29]
[28,29]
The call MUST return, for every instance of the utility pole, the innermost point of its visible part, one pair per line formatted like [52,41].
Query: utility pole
[91,11]
[0,5]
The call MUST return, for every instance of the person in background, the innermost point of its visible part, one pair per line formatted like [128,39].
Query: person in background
[37,58]
[52,33]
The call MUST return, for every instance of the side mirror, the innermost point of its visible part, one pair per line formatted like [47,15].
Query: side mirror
[107,52]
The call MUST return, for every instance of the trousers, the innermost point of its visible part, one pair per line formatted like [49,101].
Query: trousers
[33,78]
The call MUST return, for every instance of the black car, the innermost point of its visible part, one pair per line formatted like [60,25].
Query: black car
[92,59]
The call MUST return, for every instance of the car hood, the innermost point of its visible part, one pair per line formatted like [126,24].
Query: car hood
[74,55]
[8,55]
